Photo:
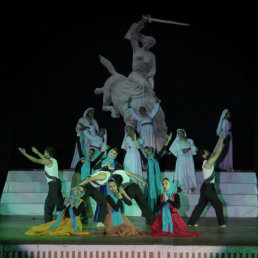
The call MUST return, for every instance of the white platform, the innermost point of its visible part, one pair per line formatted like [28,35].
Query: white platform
[25,193]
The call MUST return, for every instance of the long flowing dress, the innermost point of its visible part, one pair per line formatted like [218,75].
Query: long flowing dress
[116,223]
[225,160]
[184,177]
[65,225]
[132,159]
[178,224]
[145,126]
[85,142]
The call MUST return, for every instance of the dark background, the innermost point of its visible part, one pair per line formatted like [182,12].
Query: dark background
[51,68]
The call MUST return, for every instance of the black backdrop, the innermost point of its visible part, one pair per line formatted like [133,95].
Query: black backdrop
[52,69]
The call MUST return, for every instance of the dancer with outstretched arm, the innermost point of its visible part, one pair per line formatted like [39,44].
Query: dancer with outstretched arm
[208,192]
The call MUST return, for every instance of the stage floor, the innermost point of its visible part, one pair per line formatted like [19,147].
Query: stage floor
[239,232]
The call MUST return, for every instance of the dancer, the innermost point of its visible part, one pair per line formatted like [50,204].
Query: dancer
[132,191]
[97,142]
[208,192]
[132,159]
[86,122]
[82,171]
[169,222]
[91,184]
[116,223]
[144,123]
[68,221]
[183,149]
[151,161]
[106,164]
[54,196]
[225,160]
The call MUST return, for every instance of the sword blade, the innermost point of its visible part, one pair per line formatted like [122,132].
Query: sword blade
[168,22]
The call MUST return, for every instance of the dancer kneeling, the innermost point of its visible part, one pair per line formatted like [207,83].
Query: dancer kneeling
[68,221]
[116,223]
[169,222]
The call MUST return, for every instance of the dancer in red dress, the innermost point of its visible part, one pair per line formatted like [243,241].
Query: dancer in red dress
[169,222]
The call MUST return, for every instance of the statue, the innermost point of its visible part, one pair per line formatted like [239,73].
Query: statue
[138,86]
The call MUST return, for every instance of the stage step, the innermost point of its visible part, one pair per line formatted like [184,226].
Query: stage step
[25,192]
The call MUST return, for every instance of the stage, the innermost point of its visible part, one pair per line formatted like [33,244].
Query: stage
[239,237]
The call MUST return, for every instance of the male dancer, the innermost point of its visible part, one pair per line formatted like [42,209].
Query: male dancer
[208,193]
[54,196]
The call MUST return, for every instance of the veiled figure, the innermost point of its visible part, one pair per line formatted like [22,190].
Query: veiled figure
[139,85]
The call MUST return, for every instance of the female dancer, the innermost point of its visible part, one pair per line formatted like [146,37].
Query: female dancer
[169,222]
[183,148]
[107,164]
[144,125]
[116,223]
[82,171]
[68,221]
[225,160]
[132,159]
[86,122]
[151,161]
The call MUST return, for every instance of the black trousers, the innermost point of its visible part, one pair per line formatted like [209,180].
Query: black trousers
[134,192]
[54,199]
[99,198]
[208,194]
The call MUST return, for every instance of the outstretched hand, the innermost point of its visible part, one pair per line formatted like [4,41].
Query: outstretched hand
[22,151]
[34,150]
[107,147]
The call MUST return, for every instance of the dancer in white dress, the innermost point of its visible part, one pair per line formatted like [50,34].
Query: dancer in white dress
[86,122]
[183,149]
[145,124]
[97,142]
[132,159]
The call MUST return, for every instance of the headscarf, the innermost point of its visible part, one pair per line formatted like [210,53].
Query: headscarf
[111,160]
[166,213]
[154,174]
[85,169]
[73,218]
[219,128]
[117,218]
[87,110]
[175,144]
[124,145]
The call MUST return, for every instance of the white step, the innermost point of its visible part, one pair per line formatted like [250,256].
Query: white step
[66,175]
[227,199]
[25,192]
[21,187]
[229,211]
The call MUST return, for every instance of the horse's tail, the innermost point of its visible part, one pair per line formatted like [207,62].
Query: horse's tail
[107,64]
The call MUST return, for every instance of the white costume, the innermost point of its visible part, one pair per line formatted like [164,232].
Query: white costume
[145,126]
[185,177]
[85,142]
[132,159]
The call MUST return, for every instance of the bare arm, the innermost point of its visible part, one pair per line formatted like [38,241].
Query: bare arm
[122,191]
[43,161]
[211,161]
[137,178]
[99,177]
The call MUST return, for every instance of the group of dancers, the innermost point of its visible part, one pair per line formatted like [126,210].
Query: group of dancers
[113,185]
